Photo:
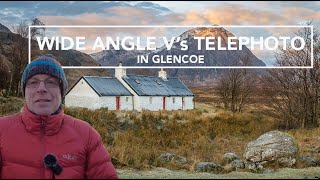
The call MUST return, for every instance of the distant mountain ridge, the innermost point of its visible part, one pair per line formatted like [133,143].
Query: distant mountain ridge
[4,29]
[212,57]
[66,58]
[113,57]
[189,76]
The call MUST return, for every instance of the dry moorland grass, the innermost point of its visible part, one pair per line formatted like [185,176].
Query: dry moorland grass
[10,105]
[137,139]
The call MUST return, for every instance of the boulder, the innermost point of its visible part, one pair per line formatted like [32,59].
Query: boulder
[235,165]
[307,161]
[229,157]
[168,157]
[274,147]
[209,167]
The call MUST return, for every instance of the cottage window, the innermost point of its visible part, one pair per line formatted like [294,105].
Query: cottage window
[127,99]
[174,100]
[150,100]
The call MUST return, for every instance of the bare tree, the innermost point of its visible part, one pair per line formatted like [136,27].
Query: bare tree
[235,86]
[23,28]
[4,74]
[19,53]
[294,93]
[19,59]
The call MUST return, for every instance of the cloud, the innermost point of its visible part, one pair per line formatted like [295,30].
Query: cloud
[118,15]
[59,8]
[12,12]
[312,5]
[301,13]
[110,16]
[194,18]
[229,14]
[153,6]
[262,13]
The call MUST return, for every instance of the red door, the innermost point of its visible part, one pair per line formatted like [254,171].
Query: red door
[164,103]
[117,103]
[183,103]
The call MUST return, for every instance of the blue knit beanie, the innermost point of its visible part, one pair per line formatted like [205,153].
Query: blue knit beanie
[45,64]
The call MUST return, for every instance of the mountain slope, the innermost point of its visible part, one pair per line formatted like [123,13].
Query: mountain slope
[112,57]
[212,57]
[191,76]
[66,58]
[4,29]
[76,58]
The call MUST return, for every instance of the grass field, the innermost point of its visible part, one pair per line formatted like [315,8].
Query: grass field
[137,139]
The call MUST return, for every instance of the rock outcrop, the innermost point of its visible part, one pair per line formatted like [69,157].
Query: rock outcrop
[274,148]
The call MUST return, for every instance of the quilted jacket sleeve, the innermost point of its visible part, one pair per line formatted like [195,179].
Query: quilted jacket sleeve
[99,163]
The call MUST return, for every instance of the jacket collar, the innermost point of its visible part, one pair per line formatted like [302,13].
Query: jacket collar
[49,125]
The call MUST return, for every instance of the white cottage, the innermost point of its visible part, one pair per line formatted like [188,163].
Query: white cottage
[128,92]
[94,92]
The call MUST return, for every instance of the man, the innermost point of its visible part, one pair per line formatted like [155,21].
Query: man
[41,141]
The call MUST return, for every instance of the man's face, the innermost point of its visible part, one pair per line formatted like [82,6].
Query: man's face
[43,95]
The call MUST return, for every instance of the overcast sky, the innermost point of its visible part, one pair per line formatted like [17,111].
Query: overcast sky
[161,13]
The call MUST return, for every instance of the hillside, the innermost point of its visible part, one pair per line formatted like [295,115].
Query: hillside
[4,29]
[66,58]
[191,77]
[77,58]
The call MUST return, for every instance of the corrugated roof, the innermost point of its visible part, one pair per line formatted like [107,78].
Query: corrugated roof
[156,86]
[107,86]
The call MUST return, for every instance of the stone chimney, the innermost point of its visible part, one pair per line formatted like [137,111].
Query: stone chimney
[163,74]
[120,71]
